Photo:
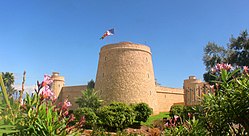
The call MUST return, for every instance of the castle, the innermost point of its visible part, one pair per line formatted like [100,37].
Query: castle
[125,74]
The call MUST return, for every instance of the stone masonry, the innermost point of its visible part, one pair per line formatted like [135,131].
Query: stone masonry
[125,74]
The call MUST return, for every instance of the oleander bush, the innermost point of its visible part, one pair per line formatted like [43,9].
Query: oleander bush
[37,114]
[225,111]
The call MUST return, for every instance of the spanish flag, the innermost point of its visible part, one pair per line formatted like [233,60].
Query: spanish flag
[108,33]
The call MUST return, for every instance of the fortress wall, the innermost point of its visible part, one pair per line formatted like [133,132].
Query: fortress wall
[71,93]
[125,74]
[166,97]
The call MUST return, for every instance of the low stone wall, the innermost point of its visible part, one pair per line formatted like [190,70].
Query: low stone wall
[167,97]
[71,93]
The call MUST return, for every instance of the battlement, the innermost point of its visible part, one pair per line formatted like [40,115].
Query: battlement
[56,77]
[125,45]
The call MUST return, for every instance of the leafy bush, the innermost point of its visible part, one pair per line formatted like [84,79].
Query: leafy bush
[38,114]
[176,110]
[143,111]
[189,128]
[116,116]
[90,116]
[228,105]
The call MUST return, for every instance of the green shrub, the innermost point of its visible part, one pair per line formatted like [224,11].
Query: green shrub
[226,110]
[116,116]
[90,116]
[176,110]
[143,111]
[189,128]
[38,114]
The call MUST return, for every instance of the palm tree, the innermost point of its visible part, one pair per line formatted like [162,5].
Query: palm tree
[8,79]
[89,99]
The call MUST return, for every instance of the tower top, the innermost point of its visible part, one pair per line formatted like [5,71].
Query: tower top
[126,45]
[55,74]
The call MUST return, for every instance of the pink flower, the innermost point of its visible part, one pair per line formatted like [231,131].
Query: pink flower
[71,118]
[65,113]
[47,93]
[245,68]
[224,66]
[212,88]
[189,115]
[65,105]
[175,118]
[167,124]
[47,80]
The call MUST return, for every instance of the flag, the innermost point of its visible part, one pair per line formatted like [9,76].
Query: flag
[108,33]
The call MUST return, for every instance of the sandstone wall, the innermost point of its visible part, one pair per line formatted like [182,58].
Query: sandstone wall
[125,74]
[71,93]
[167,97]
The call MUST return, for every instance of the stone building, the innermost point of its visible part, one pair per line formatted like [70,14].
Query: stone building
[194,90]
[125,74]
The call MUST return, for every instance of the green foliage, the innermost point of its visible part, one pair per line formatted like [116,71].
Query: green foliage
[189,128]
[236,53]
[176,110]
[143,111]
[89,99]
[5,127]
[238,49]
[229,105]
[153,118]
[91,84]
[8,79]
[213,54]
[37,115]
[90,116]
[4,92]
[116,116]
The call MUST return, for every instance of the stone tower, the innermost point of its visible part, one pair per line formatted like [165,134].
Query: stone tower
[58,83]
[125,74]
[192,90]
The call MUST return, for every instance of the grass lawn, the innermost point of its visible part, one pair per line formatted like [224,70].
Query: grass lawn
[161,115]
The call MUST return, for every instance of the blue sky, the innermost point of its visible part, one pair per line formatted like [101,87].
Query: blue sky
[42,36]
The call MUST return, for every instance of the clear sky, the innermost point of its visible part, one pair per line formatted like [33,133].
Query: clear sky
[42,36]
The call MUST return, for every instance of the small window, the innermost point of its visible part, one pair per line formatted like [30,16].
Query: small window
[148,75]
[105,58]
[103,74]
[146,59]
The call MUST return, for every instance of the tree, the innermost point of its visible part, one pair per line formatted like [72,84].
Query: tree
[236,53]
[239,50]
[8,79]
[91,84]
[89,99]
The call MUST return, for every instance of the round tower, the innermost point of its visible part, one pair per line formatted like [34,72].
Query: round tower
[58,83]
[125,74]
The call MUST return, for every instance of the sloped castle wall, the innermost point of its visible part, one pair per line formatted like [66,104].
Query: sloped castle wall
[125,74]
